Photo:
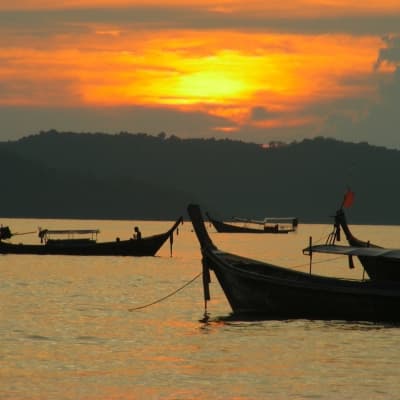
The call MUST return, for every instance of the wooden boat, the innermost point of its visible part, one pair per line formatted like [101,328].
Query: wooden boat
[379,263]
[262,290]
[145,246]
[268,225]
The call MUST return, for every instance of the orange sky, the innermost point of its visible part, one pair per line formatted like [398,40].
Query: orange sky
[255,66]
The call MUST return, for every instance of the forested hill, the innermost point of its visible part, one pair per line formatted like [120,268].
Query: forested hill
[96,175]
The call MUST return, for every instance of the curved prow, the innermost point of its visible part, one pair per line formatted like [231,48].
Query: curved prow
[175,226]
[341,221]
[206,244]
[170,233]
[199,227]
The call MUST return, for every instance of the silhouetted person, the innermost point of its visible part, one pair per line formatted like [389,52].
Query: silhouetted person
[137,234]
[5,232]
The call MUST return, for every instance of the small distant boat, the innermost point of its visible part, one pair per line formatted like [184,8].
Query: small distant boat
[260,290]
[69,244]
[243,225]
[381,264]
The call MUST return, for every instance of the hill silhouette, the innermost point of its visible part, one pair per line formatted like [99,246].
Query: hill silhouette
[32,189]
[95,175]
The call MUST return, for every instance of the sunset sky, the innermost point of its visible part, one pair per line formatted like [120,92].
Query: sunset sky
[249,70]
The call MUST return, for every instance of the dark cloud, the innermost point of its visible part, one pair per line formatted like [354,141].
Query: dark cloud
[390,53]
[260,114]
[356,119]
[380,123]
[41,90]
[383,120]
[158,18]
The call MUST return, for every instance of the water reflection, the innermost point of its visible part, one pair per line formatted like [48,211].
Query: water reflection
[359,325]
[234,320]
[66,332]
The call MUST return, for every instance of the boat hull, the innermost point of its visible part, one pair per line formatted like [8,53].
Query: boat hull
[381,269]
[262,290]
[147,246]
[298,295]
[377,268]
[223,227]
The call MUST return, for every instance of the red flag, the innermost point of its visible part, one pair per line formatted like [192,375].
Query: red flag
[348,199]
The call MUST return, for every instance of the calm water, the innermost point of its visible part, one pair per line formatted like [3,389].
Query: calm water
[66,331]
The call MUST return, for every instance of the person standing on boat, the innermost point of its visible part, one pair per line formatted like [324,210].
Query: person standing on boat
[5,232]
[137,234]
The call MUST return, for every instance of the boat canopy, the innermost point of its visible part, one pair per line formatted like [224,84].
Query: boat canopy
[71,231]
[45,234]
[354,251]
[283,220]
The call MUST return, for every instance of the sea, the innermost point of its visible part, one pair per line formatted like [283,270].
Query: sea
[108,328]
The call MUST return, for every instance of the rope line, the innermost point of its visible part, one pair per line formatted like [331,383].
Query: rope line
[167,296]
[316,262]
[199,274]
[324,235]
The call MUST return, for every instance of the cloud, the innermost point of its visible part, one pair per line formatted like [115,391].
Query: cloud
[195,18]
[349,118]
[260,114]
[381,120]
[390,53]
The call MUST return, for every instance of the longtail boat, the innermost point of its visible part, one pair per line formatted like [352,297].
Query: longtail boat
[379,263]
[69,244]
[244,225]
[262,290]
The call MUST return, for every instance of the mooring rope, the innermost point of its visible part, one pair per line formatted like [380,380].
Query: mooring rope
[315,262]
[199,274]
[168,295]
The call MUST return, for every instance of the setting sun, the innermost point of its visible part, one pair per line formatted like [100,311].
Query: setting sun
[209,86]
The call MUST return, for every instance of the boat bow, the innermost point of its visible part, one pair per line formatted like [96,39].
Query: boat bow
[206,244]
